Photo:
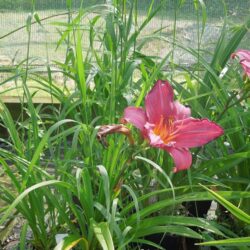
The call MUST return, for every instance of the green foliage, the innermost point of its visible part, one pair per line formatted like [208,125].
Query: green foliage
[238,242]
[64,181]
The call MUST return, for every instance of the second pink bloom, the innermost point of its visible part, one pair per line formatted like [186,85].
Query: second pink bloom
[244,57]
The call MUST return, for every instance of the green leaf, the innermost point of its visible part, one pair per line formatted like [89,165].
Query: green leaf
[159,169]
[238,213]
[88,192]
[69,4]
[177,230]
[136,204]
[37,18]
[204,15]
[195,196]
[147,84]
[23,236]
[150,8]
[106,185]
[103,235]
[10,125]
[26,192]
[71,241]
[180,220]
[150,243]
[40,147]
[80,68]
[29,22]
[242,241]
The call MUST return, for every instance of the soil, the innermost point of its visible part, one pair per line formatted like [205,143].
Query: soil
[11,235]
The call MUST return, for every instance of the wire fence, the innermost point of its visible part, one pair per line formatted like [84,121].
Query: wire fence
[13,48]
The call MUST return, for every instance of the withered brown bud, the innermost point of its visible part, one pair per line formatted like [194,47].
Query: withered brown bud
[118,186]
[105,130]
[123,121]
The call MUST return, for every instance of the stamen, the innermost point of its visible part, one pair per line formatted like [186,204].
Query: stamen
[164,129]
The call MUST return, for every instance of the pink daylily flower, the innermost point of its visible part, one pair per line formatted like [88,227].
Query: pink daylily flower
[244,57]
[167,124]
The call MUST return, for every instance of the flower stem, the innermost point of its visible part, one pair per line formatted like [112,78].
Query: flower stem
[229,105]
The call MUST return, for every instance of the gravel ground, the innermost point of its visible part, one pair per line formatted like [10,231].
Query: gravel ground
[11,239]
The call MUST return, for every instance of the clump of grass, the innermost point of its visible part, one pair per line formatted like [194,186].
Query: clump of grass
[64,181]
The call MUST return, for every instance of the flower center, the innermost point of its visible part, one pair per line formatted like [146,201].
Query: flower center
[164,129]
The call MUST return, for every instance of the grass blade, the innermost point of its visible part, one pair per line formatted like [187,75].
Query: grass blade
[242,241]
[238,213]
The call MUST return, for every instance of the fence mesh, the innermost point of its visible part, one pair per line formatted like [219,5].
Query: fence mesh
[13,48]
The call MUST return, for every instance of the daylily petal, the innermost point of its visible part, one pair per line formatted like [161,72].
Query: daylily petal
[242,54]
[244,57]
[192,132]
[181,112]
[167,124]
[136,116]
[155,140]
[181,156]
[246,67]
[159,102]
